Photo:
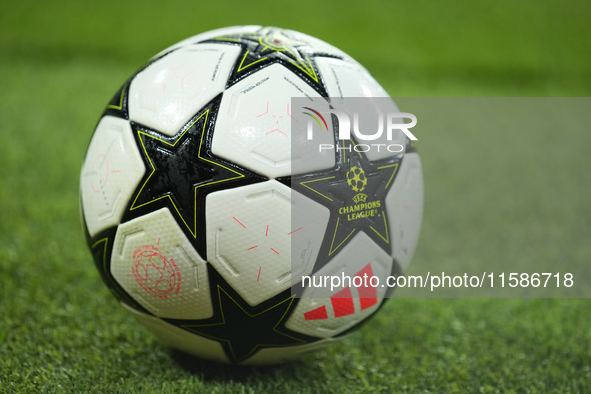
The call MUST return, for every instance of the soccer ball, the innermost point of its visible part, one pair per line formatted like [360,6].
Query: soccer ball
[189,185]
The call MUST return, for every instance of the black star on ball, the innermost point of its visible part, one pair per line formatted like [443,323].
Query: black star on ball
[354,192]
[181,171]
[272,45]
[243,329]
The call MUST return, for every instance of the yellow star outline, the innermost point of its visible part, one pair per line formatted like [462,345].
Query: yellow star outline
[240,68]
[120,106]
[395,166]
[125,297]
[331,251]
[385,237]
[314,190]
[239,175]
[290,299]
[226,38]
[306,68]
[106,241]
[303,64]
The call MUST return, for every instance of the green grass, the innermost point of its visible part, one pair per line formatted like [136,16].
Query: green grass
[62,331]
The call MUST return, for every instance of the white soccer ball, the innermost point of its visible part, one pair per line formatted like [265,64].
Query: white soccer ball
[189,188]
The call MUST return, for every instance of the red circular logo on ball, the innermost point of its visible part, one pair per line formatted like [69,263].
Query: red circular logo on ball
[155,273]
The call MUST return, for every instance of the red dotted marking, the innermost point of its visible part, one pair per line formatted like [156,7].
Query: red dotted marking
[277,122]
[267,233]
[238,222]
[258,277]
[295,231]
[274,251]
[406,206]
[181,65]
[267,111]
[115,171]
[183,298]
[276,130]
[158,243]
[290,115]
[183,80]
[253,247]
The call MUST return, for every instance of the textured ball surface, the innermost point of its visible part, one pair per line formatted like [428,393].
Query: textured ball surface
[189,186]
